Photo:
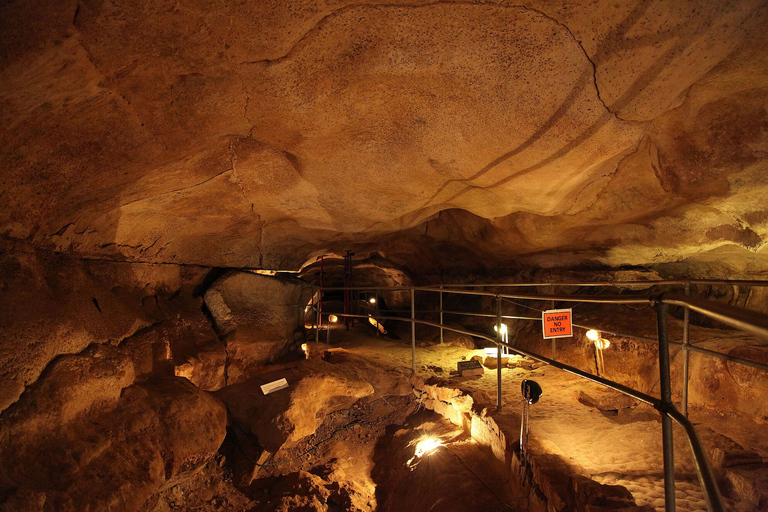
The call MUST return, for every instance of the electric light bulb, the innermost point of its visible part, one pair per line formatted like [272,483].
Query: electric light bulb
[602,344]
[593,335]
[333,318]
[427,446]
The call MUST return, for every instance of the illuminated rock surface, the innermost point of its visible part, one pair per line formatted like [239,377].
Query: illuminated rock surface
[261,135]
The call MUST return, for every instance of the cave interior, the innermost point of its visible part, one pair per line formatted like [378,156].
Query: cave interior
[296,256]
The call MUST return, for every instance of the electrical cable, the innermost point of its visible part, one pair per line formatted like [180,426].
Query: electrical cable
[479,478]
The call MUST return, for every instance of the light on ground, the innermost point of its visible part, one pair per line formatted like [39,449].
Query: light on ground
[333,318]
[426,446]
[593,335]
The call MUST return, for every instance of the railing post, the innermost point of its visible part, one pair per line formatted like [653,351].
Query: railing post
[320,303]
[552,306]
[441,314]
[666,402]
[498,353]
[686,353]
[413,330]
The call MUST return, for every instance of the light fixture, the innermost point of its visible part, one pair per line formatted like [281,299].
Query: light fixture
[504,332]
[426,446]
[305,348]
[372,300]
[602,344]
[333,318]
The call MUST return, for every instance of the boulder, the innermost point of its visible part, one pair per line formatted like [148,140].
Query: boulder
[606,400]
[315,390]
[257,316]
[457,339]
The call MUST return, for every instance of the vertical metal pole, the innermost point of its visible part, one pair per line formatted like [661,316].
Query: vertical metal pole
[666,401]
[319,304]
[441,314]
[328,336]
[686,353]
[413,331]
[498,353]
[552,306]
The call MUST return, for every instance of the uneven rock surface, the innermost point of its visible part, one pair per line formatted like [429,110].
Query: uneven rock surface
[434,134]
[53,304]
[183,344]
[78,442]
[257,316]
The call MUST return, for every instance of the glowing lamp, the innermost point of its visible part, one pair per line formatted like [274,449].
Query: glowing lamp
[305,348]
[504,332]
[602,344]
[593,335]
[426,446]
[333,318]
[372,300]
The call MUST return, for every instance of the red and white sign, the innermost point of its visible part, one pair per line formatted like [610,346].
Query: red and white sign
[556,323]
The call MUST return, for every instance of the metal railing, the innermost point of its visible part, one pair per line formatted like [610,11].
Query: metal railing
[748,321]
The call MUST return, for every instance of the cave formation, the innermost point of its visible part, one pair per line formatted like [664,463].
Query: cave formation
[178,178]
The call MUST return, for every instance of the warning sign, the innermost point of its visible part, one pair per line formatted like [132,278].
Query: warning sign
[557,323]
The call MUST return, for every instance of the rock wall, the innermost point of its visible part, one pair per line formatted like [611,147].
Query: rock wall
[95,413]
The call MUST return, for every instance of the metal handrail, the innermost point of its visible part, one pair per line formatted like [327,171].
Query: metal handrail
[701,460]
[586,284]
[745,320]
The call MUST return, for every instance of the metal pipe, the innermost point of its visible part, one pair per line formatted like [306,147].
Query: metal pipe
[441,317]
[413,330]
[701,461]
[691,347]
[728,357]
[666,402]
[647,399]
[552,306]
[320,297]
[686,354]
[655,282]
[498,353]
[614,284]
[741,319]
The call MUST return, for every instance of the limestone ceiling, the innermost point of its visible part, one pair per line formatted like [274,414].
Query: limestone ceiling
[264,133]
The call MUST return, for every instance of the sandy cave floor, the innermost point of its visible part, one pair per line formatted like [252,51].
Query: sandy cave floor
[620,449]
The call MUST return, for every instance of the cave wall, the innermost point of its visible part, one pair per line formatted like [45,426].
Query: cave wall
[107,369]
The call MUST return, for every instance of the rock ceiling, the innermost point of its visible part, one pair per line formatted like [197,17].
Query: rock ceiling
[262,134]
